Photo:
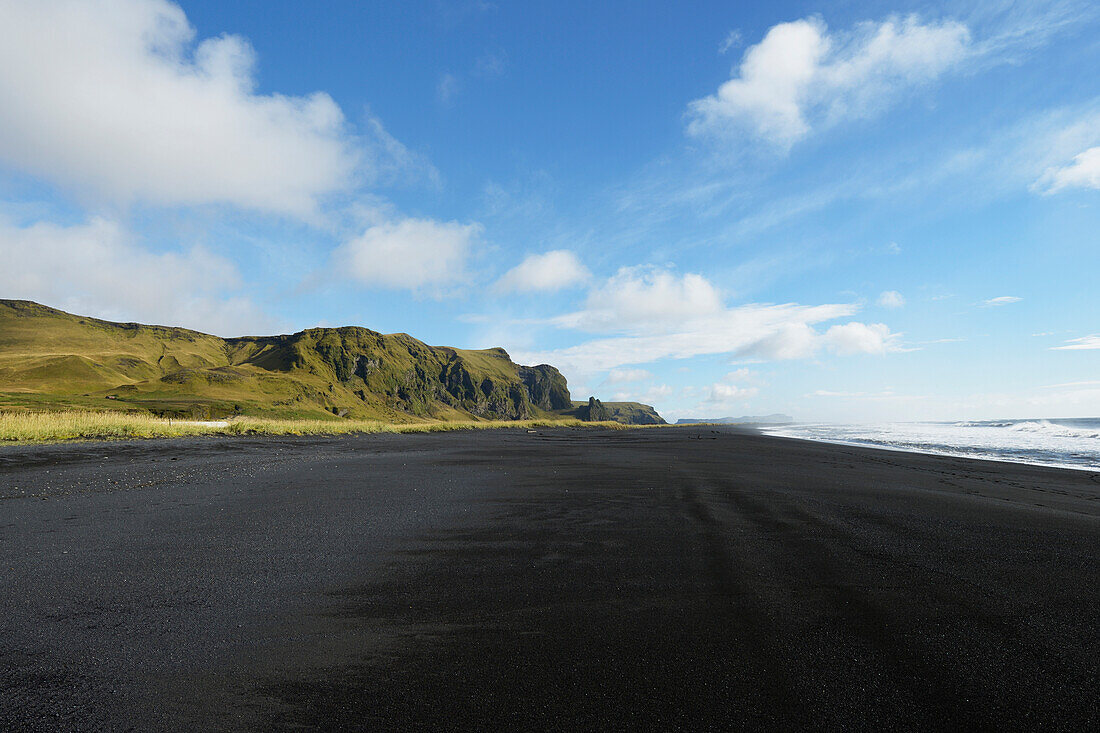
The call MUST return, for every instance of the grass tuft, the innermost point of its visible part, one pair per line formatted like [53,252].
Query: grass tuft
[41,427]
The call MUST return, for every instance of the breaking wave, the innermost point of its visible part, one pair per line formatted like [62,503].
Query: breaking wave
[1067,443]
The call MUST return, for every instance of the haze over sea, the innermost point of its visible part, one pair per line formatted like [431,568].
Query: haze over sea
[1065,443]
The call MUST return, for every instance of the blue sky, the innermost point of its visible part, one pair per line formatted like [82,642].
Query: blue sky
[842,211]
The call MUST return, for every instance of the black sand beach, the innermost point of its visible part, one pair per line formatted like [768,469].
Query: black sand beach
[567,579]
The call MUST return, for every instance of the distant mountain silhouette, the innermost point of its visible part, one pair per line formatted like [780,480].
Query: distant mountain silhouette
[776,419]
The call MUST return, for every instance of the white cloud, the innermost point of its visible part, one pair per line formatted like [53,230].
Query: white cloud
[409,253]
[743,374]
[1083,172]
[653,395]
[657,314]
[727,390]
[861,338]
[112,99]
[1077,344]
[545,272]
[645,296]
[732,40]
[447,89]
[626,376]
[724,393]
[387,160]
[891,299]
[800,77]
[97,269]
[491,64]
[789,340]
[1000,300]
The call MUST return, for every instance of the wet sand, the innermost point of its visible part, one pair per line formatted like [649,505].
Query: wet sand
[689,577]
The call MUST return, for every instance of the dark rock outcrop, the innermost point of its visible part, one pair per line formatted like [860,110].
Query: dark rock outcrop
[627,413]
[594,411]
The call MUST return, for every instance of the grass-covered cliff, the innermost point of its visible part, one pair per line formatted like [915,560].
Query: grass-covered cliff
[50,359]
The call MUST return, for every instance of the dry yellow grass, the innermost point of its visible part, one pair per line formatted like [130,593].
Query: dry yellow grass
[39,427]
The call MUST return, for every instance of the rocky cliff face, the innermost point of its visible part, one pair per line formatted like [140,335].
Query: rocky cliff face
[546,387]
[410,376]
[351,371]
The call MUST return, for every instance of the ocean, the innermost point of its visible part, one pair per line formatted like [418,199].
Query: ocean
[1065,443]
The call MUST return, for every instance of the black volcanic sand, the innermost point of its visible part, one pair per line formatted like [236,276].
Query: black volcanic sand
[570,579]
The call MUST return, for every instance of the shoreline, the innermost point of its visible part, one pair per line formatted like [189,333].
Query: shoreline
[218,432]
[943,454]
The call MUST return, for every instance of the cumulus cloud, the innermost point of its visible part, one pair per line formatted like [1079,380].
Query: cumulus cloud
[800,76]
[113,99]
[861,338]
[1000,300]
[658,314]
[727,390]
[1085,342]
[648,297]
[1083,172]
[409,253]
[547,272]
[891,299]
[98,269]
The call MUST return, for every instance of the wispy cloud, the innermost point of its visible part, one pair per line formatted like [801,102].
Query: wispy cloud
[447,88]
[1080,344]
[491,64]
[732,40]
[1087,383]
[649,396]
[1082,172]
[1000,300]
[891,299]
[626,376]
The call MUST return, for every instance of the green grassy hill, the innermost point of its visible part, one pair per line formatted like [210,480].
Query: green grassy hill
[50,359]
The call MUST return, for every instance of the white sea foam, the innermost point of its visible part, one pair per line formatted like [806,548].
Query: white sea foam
[1072,443]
